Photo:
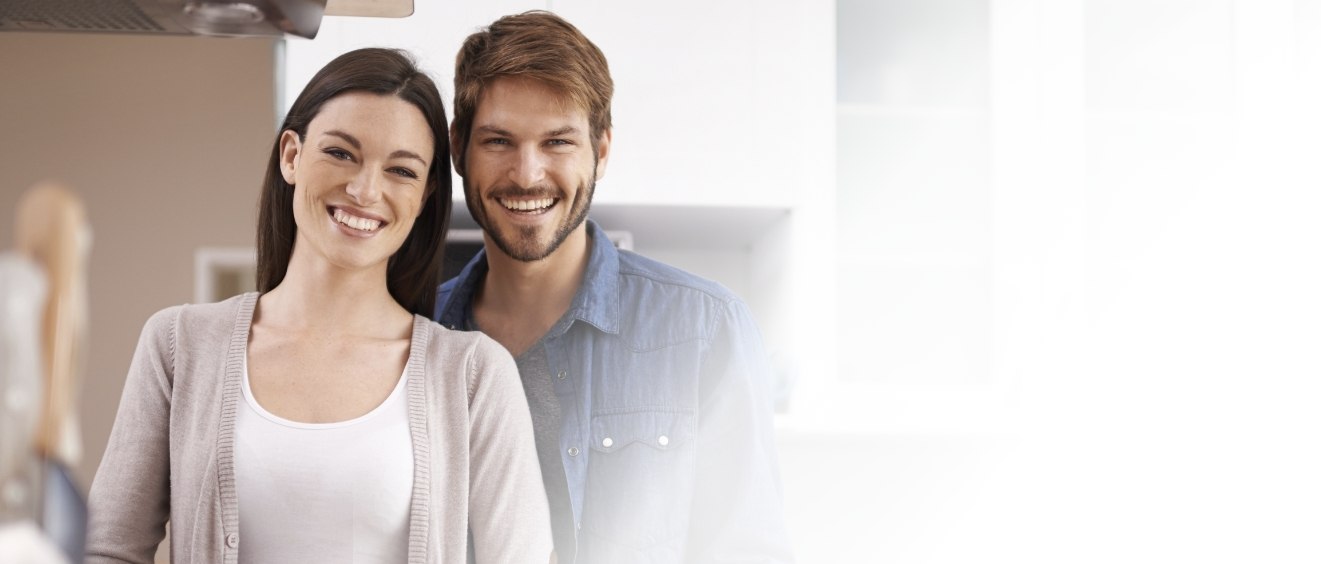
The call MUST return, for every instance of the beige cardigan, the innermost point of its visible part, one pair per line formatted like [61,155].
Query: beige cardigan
[171,452]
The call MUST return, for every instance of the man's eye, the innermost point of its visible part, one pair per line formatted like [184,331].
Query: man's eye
[496,141]
[559,142]
[340,154]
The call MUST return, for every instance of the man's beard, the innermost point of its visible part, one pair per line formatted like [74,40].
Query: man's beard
[522,244]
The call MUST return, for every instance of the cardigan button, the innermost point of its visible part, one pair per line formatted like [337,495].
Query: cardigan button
[232,540]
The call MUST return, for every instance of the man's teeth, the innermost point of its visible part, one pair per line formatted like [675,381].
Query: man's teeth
[359,223]
[527,205]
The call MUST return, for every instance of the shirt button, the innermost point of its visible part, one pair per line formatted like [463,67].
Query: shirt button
[580,525]
[232,540]
[663,440]
[573,451]
[607,442]
[561,375]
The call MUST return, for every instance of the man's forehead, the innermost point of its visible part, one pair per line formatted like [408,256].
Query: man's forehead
[512,95]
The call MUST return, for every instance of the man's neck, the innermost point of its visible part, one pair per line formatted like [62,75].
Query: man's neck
[519,301]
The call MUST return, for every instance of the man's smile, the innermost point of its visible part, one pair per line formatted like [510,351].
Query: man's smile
[532,206]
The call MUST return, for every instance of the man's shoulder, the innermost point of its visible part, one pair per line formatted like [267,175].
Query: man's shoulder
[663,305]
[640,274]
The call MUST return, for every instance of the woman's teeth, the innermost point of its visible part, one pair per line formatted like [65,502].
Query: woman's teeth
[527,205]
[359,223]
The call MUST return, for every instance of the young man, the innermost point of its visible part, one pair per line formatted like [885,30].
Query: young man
[647,385]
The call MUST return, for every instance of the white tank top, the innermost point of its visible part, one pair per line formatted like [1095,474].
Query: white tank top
[323,492]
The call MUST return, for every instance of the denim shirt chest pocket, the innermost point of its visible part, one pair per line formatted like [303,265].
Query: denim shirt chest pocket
[640,475]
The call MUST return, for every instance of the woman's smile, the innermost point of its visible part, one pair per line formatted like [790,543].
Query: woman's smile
[358,224]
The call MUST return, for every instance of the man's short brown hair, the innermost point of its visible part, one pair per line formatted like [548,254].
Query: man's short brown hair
[538,45]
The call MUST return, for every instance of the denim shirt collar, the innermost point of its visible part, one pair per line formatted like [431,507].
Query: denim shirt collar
[596,302]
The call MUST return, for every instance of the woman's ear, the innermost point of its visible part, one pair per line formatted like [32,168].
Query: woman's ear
[291,147]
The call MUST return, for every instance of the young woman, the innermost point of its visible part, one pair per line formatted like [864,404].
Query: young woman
[325,419]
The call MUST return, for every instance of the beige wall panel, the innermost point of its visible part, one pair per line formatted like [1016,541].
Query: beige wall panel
[166,140]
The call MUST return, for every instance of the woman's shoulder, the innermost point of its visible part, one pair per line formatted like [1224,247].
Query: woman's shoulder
[205,321]
[446,341]
[450,348]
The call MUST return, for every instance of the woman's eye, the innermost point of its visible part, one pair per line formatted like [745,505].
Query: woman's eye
[406,173]
[340,154]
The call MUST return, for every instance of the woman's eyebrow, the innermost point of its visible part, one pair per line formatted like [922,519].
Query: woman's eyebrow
[402,154]
[399,154]
[345,136]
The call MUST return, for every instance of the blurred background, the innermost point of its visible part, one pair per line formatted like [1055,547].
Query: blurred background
[1040,278]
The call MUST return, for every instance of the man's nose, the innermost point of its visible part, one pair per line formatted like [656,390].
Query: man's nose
[529,168]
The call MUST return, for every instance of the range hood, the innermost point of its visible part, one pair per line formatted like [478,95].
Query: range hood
[243,18]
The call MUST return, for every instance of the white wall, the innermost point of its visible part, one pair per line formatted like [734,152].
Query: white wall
[1151,385]
[707,95]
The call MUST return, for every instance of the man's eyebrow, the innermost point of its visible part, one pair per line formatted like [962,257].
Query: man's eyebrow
[566,130]
[494,130]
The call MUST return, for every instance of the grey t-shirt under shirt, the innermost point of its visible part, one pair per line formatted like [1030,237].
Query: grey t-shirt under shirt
[534,369]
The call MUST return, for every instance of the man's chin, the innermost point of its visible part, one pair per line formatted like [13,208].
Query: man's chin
[524,250]
[531,244]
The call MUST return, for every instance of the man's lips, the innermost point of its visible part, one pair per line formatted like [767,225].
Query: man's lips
[527,205]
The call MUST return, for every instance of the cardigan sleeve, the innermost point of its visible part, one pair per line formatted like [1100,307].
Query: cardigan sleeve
[508,514]
[129,501]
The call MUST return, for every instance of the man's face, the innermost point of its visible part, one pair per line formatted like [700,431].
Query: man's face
[530,167]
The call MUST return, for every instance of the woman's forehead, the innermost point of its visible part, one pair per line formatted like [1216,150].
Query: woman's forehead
[375,119]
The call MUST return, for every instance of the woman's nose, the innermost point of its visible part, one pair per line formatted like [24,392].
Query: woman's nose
[365,187]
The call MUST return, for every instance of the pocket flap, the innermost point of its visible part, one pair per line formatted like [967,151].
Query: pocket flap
[659,429]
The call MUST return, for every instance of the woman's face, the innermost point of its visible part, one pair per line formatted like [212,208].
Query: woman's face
[359,178]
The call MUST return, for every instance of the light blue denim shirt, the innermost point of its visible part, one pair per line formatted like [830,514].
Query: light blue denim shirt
[666,432]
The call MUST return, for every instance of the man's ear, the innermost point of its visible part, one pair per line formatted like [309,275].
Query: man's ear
[456,151]
[291,148]
[602,153]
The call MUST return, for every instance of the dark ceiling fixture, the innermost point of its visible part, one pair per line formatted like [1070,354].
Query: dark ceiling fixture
[241,18]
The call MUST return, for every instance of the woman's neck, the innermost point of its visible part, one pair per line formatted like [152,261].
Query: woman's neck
[331,300]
